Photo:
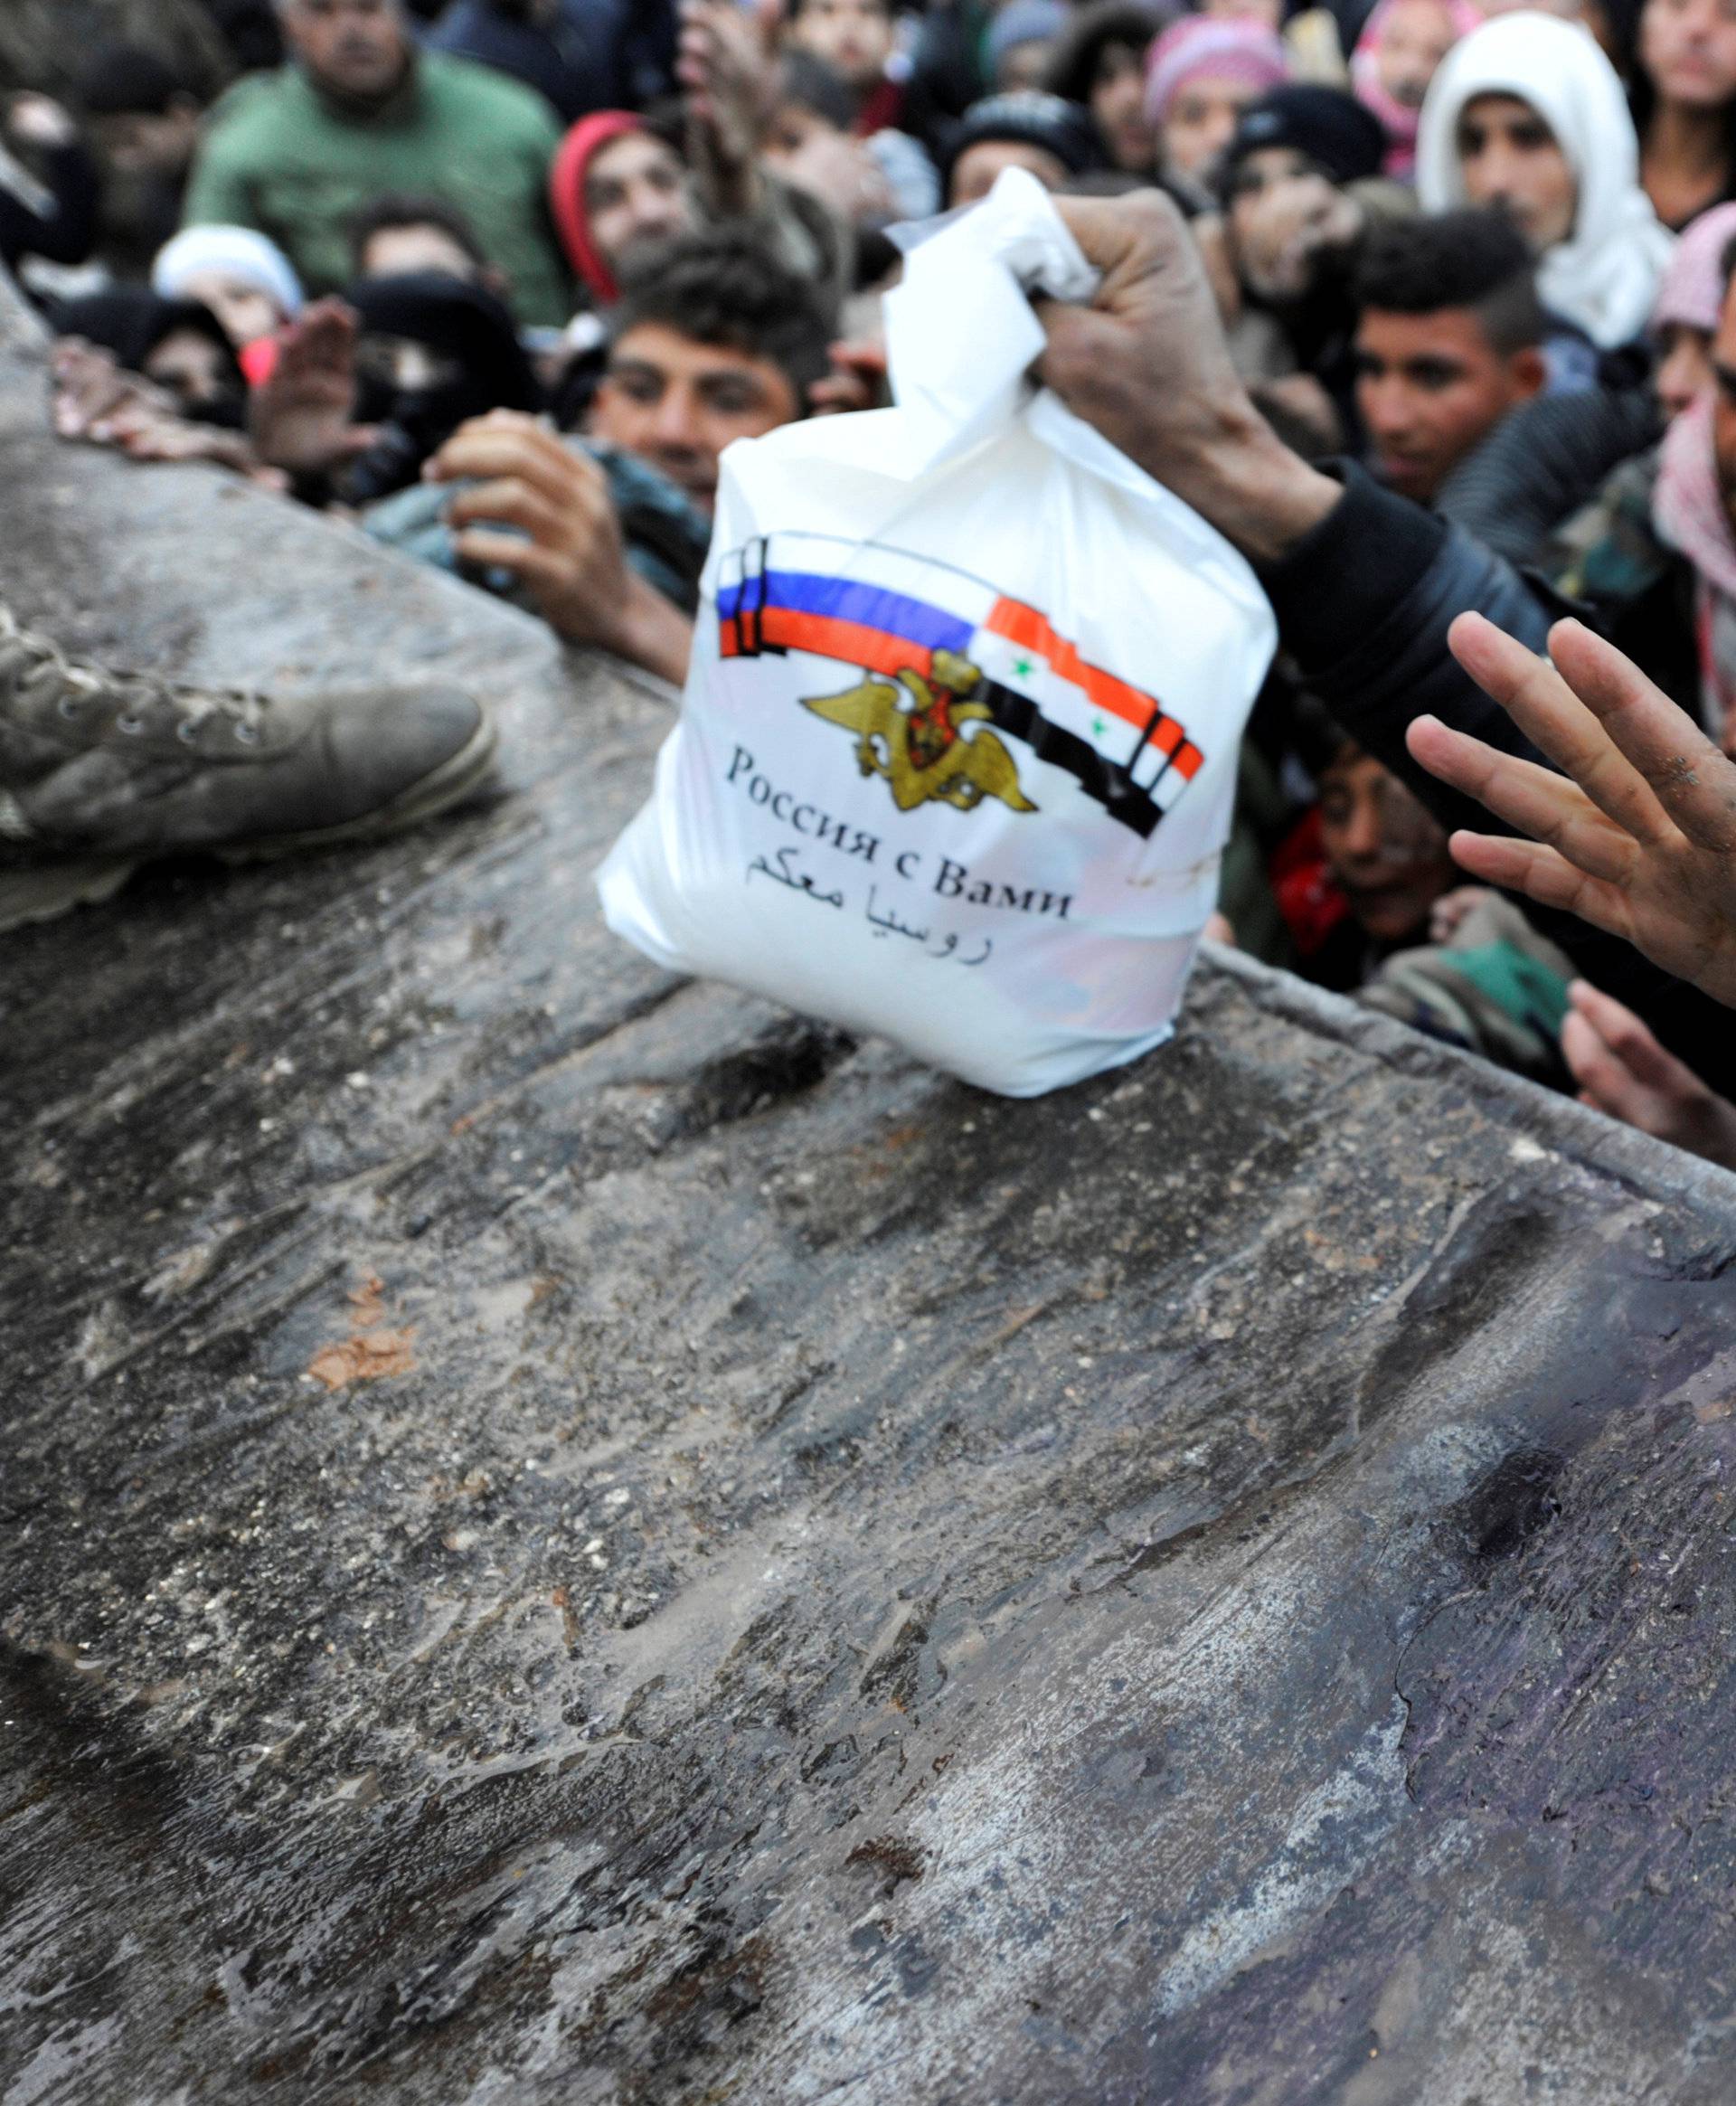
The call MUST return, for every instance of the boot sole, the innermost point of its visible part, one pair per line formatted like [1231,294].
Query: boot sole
[41,892]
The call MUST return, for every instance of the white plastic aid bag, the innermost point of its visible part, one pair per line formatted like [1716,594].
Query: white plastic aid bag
[957,753]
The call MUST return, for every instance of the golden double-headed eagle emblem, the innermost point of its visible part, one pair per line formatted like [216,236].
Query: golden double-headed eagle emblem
[910,732]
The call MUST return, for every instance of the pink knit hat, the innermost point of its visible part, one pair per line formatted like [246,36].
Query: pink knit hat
[1201,47]
[1691,293]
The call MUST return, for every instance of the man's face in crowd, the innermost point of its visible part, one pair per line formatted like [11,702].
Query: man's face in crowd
[1415,37]
[636,192]
[1118,101]
[1201,122]
[1683,369]
[403,251]
[1282,212]
[1430,388]
[1510,159]
[1388,856]
[854,38]
[140,143]
[355,48]
[1688,49]
[976,169]
[677,403]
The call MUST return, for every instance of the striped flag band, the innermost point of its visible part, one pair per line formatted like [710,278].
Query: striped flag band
[782,592]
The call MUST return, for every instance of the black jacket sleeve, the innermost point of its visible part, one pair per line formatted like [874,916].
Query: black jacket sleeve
[1364,604]
[67,232]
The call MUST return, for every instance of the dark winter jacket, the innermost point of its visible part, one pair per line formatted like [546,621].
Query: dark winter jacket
[55,219]
[594,54]
[1364,604]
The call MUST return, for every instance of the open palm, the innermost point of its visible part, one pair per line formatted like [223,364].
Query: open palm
[1637,834]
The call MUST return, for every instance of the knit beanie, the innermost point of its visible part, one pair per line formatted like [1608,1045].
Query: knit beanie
[1033,119]
[1331,127]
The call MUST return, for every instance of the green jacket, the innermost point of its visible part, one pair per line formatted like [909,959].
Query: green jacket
[280,155]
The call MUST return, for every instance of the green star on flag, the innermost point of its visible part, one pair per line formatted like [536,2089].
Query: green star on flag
[1098,727]
[1023,668]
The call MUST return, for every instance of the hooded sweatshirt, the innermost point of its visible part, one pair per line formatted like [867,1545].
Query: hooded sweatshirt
[1604,276]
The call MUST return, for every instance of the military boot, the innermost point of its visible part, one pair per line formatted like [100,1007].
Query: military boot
[102,771]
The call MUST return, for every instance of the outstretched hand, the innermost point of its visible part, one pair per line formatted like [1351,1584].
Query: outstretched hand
[301,419]
[97,401]
[1636,834]
[1621,1069]
[728,71]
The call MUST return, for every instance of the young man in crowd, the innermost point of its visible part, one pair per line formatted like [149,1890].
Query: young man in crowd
[712,341]
[1449,334]
[1452,378]
[360,110]
[618,182]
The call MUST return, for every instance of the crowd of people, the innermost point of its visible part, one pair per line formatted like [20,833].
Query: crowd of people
[1431,315]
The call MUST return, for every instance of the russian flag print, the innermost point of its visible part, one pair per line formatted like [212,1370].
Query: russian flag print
[892,612]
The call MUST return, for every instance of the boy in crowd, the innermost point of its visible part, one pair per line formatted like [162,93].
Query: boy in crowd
[1449,335]
[856,40]
[712,341]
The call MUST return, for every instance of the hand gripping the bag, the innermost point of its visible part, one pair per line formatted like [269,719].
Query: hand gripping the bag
[964,675]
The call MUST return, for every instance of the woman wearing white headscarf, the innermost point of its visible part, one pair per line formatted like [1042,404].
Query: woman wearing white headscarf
[1601,250]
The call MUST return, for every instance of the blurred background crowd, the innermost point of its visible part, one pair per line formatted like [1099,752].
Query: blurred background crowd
[501,278]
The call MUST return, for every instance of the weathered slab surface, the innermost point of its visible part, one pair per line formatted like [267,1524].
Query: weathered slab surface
[1216,1586]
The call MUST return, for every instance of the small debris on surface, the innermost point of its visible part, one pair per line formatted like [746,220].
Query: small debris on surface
[372,1350]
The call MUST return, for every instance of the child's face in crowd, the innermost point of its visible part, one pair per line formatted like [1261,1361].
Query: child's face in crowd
[854,38]
[1415,37]
[246,312]
[636,190]
[677,403]
[1388,856]
[1201,121]
[833,165]
[1510,159]
[1118,101]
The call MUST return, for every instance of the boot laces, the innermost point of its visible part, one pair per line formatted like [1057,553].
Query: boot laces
[29,660]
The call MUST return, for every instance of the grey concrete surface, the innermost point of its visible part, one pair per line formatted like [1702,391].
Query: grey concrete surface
[1215,1586]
